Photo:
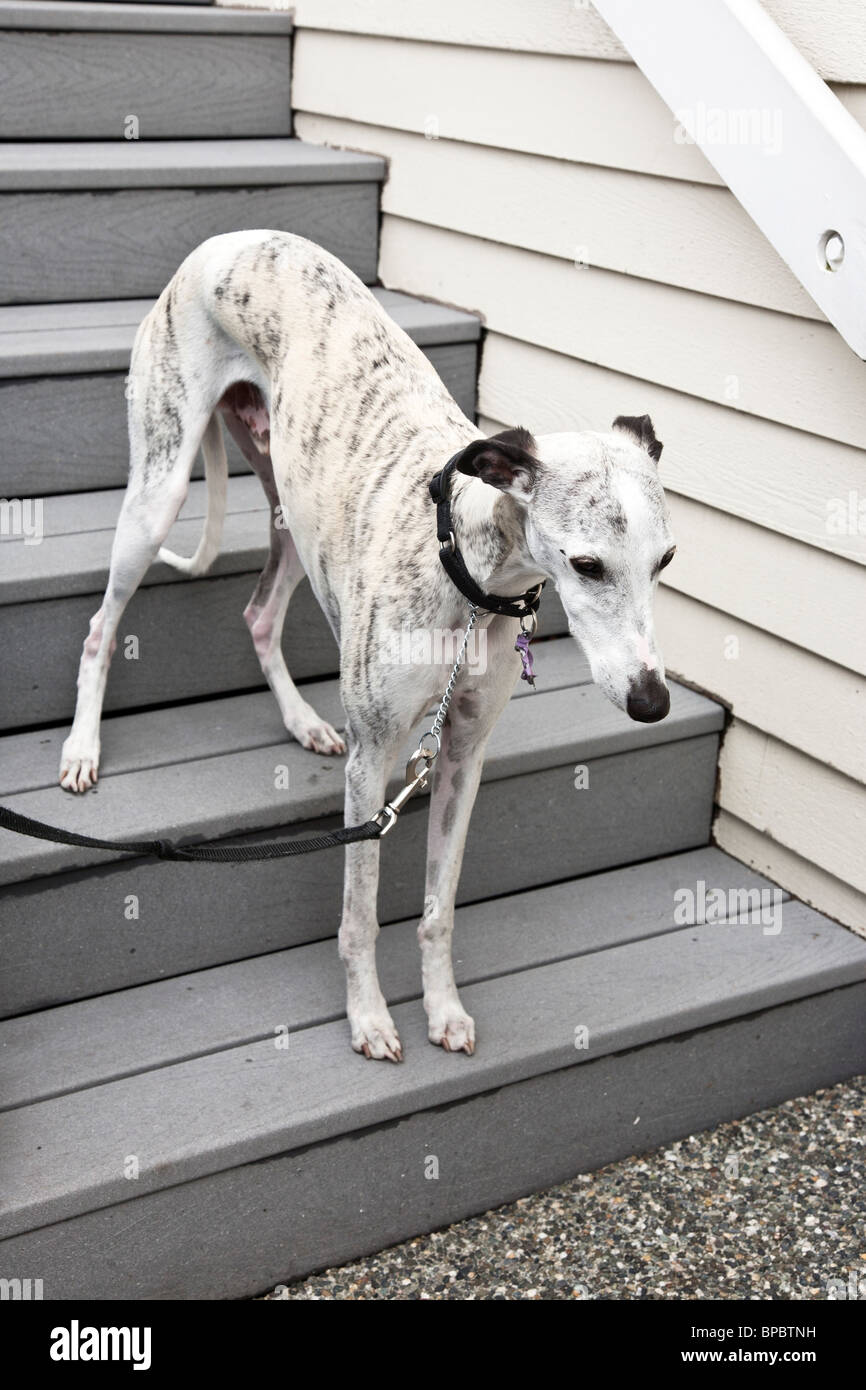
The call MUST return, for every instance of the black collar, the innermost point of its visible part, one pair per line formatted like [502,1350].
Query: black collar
[455,565]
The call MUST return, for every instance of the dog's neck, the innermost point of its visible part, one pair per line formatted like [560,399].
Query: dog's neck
[489,529]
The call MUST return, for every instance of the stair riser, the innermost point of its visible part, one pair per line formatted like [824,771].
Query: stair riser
[129,243]
[68,433]
[65,86]
[237,1233]
[192,642]
[67,937]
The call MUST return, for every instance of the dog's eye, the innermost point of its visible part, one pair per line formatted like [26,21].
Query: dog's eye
[666,559]
[588,565]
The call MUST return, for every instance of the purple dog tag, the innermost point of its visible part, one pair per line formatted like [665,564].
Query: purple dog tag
[521,646]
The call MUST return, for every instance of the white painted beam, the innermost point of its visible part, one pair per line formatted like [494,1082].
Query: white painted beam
[780,139]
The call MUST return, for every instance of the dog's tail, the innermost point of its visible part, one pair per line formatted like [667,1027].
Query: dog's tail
[216,479]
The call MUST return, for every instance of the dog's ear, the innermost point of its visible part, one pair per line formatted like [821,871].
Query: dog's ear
[507,461]
[640,428]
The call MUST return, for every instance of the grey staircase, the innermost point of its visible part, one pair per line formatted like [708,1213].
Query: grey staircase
[63,366]
[182,1114]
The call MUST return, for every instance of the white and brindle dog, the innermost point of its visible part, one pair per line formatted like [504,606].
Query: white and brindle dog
[344,420]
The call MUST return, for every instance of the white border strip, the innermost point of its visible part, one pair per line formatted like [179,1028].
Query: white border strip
[783,143]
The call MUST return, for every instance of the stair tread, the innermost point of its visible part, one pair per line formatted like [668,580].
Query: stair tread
[50,339]
[90,15]
[180,784]
[245,1103]
[226,162]
[226,724]
[72,1046]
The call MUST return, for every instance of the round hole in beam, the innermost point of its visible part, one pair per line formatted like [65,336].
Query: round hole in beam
[831,251]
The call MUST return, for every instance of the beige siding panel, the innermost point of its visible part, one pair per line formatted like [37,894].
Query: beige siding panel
[772,685]
[690,235]
[832,36]
[810,809]
[800,594]
[830,895]
[544,26]
[780,367]
[570,108]
[780,478]
[579,109]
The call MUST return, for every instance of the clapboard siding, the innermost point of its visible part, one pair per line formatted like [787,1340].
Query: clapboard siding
[711,452]
[774,685]
[763,783]
[578,109]
[584,214]
[547,148]
[831,36]
[707,347]
[751,577]
[803,878]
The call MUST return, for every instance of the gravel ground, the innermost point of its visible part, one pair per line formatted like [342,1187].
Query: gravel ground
[770,1207]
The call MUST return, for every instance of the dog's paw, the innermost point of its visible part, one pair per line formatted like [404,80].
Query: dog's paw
[376,1036]
[316,734]
[79,771]
[455,1031]
[321,738]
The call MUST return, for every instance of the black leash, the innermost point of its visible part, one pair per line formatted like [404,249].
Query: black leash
[417,769]
[208,851]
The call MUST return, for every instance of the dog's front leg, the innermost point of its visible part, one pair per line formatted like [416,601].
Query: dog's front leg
[373,1031]
[480,698]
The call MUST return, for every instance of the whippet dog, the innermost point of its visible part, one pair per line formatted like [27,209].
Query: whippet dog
[345,421]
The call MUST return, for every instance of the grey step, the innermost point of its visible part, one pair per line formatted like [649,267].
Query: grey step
[80,71]
[104,245]
[192,640]
[130,16]
[62,1050]
[84,165]
[259,1162]
[242,1230]
[62,385]
[209,769]
[54,339]
[128,242]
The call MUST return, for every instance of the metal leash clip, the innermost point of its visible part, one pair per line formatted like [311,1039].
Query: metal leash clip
[415,782]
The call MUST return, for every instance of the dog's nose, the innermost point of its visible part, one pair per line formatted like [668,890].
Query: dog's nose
[648,699]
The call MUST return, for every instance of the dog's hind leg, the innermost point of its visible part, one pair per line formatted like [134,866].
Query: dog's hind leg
[265,613]
[161,459]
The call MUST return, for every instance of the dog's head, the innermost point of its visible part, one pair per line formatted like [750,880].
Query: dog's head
[594,521]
